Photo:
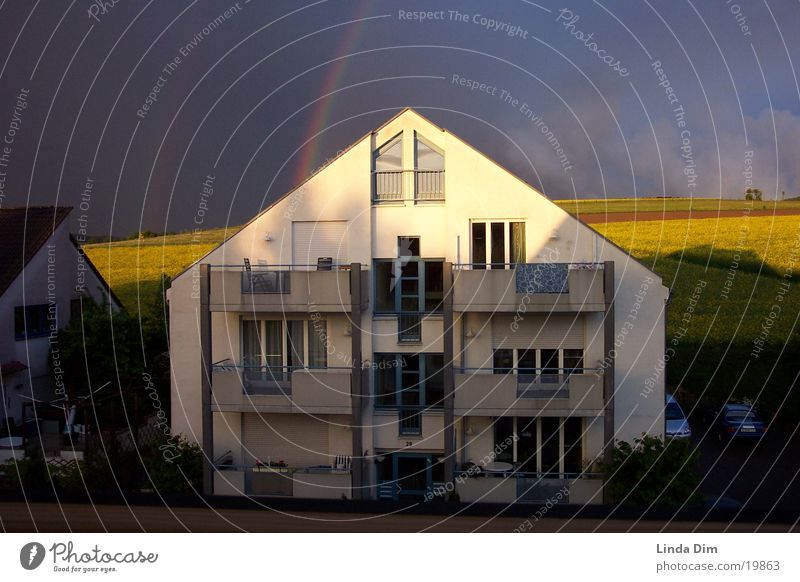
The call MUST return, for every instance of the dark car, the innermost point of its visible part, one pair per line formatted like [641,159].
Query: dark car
[737,421]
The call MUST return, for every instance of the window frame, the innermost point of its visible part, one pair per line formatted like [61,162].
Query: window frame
[420,388]
[488,262]
[535,423]
[26,313]
[308,328]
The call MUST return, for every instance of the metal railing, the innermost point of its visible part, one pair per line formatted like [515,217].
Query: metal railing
[388,186]
[409,327]
[429,185]
[409,421]
[265,281]
[573,266]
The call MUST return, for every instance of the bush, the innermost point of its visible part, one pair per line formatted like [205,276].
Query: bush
[652,471]
[174,465]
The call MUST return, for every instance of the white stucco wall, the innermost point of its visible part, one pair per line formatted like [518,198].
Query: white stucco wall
[476,188]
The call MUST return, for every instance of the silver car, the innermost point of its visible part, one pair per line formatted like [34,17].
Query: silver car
[677,426]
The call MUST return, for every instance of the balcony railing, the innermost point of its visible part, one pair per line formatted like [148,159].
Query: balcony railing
[387,186]
[409,327]
[429,185]
[409,421]
[270,380]
[261,280]
[391,186]
[324,286]
[487,390]
[501,286]
[541,382]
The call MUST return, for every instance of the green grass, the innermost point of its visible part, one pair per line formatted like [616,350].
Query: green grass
[668,204]
[714,336]
[133,268]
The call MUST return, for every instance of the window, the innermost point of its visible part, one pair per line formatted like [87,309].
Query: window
[478,245]
[284,345]
[408,285]
[428,172]
[532,362]
[318,343]
[409,380]
[387,173]
[549,446]
[503,361]
[503,242]
[31,321]
[75,309]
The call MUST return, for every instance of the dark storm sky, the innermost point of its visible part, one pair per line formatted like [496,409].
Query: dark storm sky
[274,89]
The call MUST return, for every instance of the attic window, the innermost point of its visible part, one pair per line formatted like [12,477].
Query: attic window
[387,171]
[428,171]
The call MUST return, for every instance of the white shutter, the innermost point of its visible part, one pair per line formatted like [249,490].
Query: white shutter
[554,330]
[312,240]
[297,439]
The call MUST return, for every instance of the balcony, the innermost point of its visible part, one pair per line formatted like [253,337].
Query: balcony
[283,288]
[516,487]
[536,287]
[323,482]
[422,186]
[480,392]
[237,388]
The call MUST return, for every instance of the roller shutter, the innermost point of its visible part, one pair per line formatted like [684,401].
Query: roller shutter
[556,330]
[312,240]
[299,440]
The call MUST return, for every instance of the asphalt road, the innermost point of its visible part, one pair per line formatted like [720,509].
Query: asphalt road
[762,476]
[51,517]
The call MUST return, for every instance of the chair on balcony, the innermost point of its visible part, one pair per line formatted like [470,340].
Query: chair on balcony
[342,462]
[324,263]
[267,282]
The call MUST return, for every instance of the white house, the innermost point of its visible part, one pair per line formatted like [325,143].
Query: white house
[43,275]
[414,321]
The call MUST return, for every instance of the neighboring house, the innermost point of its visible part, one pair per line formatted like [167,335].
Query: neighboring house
[43,274]
[414,320]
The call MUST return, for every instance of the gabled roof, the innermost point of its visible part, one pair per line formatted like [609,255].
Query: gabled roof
[23,231]
[402,112]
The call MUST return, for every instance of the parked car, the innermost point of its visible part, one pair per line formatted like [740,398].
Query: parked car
[737,421]
[676,423]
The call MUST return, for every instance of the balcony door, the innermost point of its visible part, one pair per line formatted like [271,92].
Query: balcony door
[497,244]
[272,349]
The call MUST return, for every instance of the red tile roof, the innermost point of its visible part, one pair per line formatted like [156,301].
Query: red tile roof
[23,231]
